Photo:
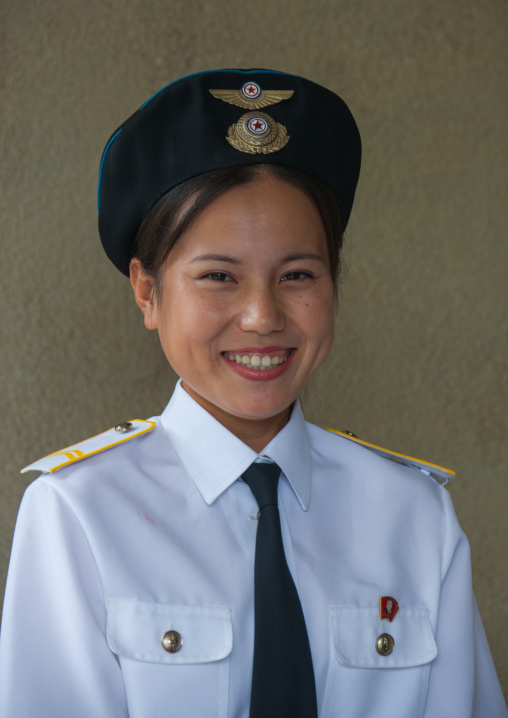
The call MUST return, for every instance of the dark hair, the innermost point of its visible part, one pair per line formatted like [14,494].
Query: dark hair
[166,221]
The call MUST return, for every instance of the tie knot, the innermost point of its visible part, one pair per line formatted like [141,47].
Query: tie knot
[262,479]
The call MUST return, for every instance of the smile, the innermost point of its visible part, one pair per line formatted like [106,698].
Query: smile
[261,362]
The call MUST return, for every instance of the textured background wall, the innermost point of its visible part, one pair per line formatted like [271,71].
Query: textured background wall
[419,362]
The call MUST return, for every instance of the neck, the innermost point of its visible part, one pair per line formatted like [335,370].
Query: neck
[256,433]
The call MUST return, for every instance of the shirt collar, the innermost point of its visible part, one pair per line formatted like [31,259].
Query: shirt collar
[215,458]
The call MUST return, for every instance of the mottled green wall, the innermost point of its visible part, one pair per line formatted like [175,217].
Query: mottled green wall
[420,358]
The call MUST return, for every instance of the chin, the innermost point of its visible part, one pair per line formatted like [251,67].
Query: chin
[259,410]
[256,404]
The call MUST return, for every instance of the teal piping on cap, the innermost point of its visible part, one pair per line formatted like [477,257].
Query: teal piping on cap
[102,163]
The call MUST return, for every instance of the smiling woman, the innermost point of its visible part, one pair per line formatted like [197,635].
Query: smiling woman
[229,559]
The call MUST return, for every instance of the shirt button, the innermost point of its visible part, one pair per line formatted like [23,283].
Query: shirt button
[385,644]
[172,641]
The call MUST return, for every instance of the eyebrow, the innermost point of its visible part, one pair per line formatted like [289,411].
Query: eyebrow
[304,255]
[295,257]
[215,258]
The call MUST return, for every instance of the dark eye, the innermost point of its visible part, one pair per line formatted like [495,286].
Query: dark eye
[218,277]
[292,276]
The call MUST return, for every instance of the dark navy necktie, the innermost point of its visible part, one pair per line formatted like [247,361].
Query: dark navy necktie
[282,676]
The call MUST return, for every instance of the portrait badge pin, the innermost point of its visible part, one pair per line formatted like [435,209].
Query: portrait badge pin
[255,132]
[388,608]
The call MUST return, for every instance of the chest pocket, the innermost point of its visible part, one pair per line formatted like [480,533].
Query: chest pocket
[377,665]
[190,678]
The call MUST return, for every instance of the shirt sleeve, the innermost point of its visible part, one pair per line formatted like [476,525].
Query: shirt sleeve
[463,680]
[54,656]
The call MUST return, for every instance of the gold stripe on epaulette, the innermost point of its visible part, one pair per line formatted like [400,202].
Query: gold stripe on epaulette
[352,437]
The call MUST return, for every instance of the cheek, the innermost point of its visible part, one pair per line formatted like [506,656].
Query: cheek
[320,314]
[320,322]
[327,334]
[189,326]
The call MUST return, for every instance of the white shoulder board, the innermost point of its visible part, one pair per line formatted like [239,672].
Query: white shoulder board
[438,473]
[117,435]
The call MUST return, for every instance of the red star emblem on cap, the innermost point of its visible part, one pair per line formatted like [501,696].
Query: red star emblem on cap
[251,89]
[257,125]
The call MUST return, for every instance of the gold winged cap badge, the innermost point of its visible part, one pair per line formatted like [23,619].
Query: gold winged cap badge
[252,97]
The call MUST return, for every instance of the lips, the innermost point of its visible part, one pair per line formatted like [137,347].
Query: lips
[260,364]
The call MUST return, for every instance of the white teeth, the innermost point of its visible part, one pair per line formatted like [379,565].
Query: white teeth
[256,361]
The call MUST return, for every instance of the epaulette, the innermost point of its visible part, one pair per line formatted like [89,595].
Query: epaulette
[119,434]
[438,473]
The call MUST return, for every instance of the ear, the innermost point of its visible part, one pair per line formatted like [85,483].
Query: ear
[144,291]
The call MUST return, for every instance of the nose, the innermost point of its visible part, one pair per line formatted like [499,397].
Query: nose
[261,311]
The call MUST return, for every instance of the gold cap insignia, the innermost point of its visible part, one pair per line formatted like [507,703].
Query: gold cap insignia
[255,132]
[252,97]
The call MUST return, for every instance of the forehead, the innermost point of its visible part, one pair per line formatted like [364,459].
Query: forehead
[263,215]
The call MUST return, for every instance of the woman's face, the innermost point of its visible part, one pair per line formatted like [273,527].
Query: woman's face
[246,309]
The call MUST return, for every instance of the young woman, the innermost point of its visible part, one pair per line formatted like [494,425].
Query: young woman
[227,558]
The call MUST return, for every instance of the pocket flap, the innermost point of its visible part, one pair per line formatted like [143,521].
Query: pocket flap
[135,630]
[356,631]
